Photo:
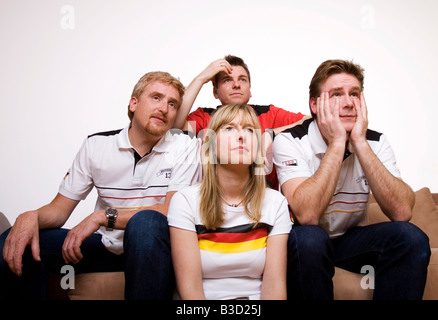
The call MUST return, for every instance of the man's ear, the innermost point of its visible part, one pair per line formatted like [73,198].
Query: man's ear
[215,92]
[312,104]
[133,104]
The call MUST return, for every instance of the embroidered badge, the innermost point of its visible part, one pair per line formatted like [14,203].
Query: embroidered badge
[291,162]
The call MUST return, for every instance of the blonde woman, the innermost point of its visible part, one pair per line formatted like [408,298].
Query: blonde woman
[229,232]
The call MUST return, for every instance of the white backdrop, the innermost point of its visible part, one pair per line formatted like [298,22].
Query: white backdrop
[67,69]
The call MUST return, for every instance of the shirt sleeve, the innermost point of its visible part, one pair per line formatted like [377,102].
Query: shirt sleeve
[78,182]
[181,212]
[187,168]
[387,156]
[290,159]
[284,117]
[282,222]
[200,120]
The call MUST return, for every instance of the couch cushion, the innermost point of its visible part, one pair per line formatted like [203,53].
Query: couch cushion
[424,215]
[4,223]
[431,290]
[99,286]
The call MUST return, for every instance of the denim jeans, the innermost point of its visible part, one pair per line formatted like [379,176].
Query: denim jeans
[399,252]
[146,261]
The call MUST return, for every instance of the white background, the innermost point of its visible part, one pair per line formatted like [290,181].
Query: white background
[67,69]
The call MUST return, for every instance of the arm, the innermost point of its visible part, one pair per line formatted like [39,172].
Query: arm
[71,249]
[308,197]
[394,196]
[194,88]
[187,263]
[274,275]
[25,230]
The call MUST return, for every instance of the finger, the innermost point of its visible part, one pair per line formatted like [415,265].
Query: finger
[16,264]
[363,105]
[225,66]
[35,247]
[319,114]
[326,106]
[336,108]
[71,249]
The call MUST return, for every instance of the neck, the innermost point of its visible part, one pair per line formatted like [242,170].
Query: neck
[142,141]
[232,181]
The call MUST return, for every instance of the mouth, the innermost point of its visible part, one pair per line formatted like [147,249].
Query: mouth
[348,117]
[241,148]
[158,119]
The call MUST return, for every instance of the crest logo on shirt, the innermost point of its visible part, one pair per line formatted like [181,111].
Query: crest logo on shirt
[362,178]
[293,162]
[167,172]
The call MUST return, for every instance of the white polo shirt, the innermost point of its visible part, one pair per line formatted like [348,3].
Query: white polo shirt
[124,180]
[298,152]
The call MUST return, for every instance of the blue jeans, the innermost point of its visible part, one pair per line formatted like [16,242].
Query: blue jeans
[146,261]
[399,252]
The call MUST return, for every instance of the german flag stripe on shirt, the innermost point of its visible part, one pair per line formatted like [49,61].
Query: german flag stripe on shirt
[237,239]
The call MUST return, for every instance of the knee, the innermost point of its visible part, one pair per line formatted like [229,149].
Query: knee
[309,238]
[146,220]
[414,239]
[310,245]
[146,226]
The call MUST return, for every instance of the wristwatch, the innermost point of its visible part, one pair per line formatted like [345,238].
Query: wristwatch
[111,215]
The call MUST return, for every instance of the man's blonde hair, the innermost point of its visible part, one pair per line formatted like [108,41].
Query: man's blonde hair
[211,195]
[151,77]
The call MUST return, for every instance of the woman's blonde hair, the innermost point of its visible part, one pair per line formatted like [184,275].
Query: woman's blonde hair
[211,195]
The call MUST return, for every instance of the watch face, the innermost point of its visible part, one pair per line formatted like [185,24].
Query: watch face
[111,211]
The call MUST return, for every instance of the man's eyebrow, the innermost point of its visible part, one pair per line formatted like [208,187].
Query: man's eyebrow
[355,88]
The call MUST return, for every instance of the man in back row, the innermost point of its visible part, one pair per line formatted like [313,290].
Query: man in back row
[326,168]
[232,85]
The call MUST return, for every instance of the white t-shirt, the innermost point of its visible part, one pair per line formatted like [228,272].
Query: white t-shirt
[125,181]
[298,152]
[232,256]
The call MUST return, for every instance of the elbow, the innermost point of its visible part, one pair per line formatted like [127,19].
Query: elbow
[306,219]
[402,215]
[399,214]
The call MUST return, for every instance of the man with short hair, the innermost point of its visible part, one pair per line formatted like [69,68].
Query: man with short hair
[232,85]
[136,171]
[326,167]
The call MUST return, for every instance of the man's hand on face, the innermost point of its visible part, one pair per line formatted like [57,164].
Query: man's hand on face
[328,120]
[358,133]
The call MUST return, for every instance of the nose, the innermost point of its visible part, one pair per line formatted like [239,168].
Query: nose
[236,83]
[241,136]
[347,101]
[163,106]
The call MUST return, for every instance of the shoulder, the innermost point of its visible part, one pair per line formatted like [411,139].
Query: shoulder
[274,197]
[299,131]
[373,135]
[261,109]
[202,111]
[110,133]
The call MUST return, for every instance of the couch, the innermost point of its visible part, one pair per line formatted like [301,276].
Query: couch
[347,285]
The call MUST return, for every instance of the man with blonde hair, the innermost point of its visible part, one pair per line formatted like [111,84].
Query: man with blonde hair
[135,171]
